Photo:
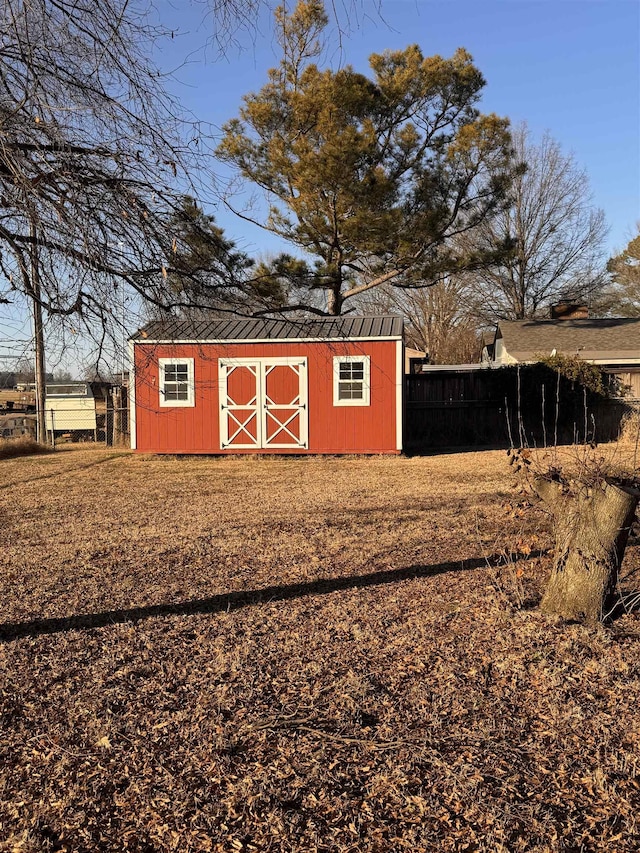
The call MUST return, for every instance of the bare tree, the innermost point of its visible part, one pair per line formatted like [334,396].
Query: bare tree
[235,20]
[91,149]
[555,232]
[437,319]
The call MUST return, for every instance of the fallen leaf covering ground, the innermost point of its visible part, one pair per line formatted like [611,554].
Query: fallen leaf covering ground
[300,655]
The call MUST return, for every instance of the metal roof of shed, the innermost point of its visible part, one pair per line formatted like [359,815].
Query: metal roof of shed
[258,329]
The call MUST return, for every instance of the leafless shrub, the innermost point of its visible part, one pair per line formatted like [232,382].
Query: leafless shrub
[630,433]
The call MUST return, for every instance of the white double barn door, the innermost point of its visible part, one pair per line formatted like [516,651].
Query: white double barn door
[263,403]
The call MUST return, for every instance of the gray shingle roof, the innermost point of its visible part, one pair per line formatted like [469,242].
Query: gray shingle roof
[249,328]
[609,338]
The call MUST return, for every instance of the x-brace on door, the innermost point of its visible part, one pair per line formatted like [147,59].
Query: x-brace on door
[263,403]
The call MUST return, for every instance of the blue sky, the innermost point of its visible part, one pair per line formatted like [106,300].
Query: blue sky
[571,67]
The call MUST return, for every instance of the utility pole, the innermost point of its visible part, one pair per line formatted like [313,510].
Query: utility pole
[38,334]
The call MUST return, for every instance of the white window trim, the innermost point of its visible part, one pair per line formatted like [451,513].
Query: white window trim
[399,392]
[366,380]
[132,396]
[191,397]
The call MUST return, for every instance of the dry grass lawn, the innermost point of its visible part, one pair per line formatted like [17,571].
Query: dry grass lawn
[23,446]
[300,655]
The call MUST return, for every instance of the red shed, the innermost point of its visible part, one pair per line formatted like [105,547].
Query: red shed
[269,386]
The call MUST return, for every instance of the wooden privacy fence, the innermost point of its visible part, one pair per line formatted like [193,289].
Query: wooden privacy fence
[522,405]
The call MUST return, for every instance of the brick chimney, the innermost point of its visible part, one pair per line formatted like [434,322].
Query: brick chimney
[569,311]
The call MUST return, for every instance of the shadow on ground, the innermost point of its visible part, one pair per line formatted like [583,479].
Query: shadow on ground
[59,473]
[235,600]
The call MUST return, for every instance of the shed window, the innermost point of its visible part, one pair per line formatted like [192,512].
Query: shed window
[351,385]
[176,382]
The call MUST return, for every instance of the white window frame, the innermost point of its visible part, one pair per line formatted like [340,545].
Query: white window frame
[366,379]
[163,363]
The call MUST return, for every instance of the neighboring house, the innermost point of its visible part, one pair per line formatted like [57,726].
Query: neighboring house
[611,343]
[487,344]
[17,425]
[414,359]
[332,385]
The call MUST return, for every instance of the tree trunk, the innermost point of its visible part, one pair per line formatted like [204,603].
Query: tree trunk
[40,370]
[334,302]
[591,528]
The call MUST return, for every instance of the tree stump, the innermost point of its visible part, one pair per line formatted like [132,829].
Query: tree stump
[592,524]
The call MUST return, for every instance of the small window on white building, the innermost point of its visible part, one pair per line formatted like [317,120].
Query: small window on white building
[176,382]
[351,380]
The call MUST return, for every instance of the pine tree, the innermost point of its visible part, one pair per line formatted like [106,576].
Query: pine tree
[371,177]
[625,271]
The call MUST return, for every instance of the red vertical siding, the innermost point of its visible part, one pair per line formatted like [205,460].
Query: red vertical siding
[332,429]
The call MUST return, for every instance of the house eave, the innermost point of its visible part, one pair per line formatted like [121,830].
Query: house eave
[595,357]
[228,341]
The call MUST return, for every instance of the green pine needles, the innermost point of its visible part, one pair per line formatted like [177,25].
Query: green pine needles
[370,177]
